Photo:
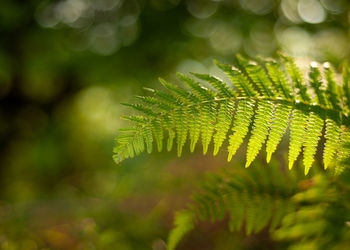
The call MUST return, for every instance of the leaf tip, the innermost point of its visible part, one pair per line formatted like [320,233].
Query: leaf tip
[290,165]
[306,170]
[268,157]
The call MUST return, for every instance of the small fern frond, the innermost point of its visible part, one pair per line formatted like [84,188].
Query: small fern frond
[184,222]
[320,220]
[254,199]
[264,97]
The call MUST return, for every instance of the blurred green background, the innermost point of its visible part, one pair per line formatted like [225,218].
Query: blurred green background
[65,67]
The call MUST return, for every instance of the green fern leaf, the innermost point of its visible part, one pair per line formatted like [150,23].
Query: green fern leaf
[238,79]
[207,111]
[332,135]
[297,133]
[280,79]
[170,141]
[223,124]
[147,134]
[164,101]
[343,153]
[260,129]
[316,83]
[158,133]
[242,120]
[236,211]
[257,76]
[208,118]
[200,92]
[144,109]
[252,199]
[181,93]
[346,85]
[184,222]
[277,99]
[331,92]
[314,131]
[222,88]
[181,129]
[194,127]
[297,79]
[278,127]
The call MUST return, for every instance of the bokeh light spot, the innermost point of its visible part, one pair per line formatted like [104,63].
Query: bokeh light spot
[225,38]
[290,10]
[103,39]
[201,8]
[295,41]
[259,7]
[311,11]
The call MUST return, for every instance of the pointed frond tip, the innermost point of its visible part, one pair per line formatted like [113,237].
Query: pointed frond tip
[265,97]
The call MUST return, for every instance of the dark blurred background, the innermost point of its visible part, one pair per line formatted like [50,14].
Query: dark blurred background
[65,67]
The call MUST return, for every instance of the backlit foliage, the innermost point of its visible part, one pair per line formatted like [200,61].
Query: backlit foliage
[263,98]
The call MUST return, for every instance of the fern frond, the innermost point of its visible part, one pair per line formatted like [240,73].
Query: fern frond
[264,98]
[184,222]
[320,220]
[255,200]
